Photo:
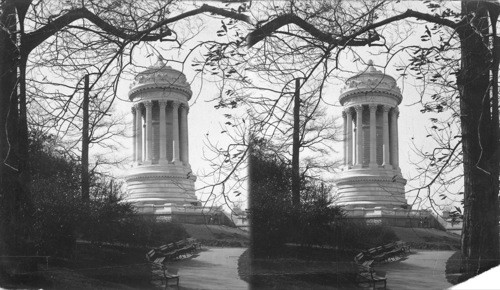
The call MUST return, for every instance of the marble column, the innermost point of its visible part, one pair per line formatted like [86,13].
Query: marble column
[394,137]
[184,134]
[349,136]
[163,132]
[134,134]
[175,132]
[373,135]
[359,135]
[138,133]
[149,130]
[385,124]
[344,118]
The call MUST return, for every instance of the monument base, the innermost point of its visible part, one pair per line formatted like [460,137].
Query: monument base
[187,214]
[396,217]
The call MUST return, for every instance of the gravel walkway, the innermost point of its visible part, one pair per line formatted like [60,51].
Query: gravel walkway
[421,270]
[213,268]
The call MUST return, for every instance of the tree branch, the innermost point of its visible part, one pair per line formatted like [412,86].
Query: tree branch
[285,19]
[34,38]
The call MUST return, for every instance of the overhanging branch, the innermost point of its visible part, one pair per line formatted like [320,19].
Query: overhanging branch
[286,19]
[33,39]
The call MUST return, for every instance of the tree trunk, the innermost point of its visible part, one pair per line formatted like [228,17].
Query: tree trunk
[480,246]
[15,214]
[85,141]
[296,146]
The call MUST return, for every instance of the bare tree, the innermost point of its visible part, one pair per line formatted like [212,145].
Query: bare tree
[298,36]
[65,39]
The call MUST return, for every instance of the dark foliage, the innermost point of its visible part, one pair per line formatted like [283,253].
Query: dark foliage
[275,221]
[62,217]
[353,235]
[270,202]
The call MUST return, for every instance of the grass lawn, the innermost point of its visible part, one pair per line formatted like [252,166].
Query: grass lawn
[218,236]
[91,267]
[428,239]
[299,268]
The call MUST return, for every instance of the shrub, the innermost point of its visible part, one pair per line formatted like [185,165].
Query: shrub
[136,230]
[348,234]
[61,216]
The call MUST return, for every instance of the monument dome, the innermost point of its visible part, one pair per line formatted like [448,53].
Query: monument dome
[371,176]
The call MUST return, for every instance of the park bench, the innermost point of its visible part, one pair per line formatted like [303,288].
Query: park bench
[159,271]
[367,275]
[152,255]
[390,246]
[194,242]
[386,252]
[359,258]
[174,251]
[166,248]
[395,253]
[404,246]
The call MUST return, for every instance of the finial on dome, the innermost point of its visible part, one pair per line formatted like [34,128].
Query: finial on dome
[370,67]
[159,62]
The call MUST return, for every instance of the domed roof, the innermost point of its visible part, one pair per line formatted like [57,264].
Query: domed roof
[158,77]
[370,80]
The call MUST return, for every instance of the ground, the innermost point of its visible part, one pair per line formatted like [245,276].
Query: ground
[422,269]
[324,269]
[213,268]
[118,267]
[226,267]
[297,268]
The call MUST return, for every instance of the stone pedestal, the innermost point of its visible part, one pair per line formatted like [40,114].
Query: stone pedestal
[395,217]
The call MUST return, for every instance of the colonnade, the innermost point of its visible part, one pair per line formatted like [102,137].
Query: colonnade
[371,140]
[160,132]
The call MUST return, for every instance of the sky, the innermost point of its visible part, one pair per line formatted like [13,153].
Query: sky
[207,122]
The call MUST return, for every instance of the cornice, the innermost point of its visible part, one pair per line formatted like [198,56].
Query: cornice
[373,92]
[158,87]
[153,176]
[369,179]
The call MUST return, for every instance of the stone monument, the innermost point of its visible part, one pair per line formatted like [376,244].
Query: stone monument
[371,176]
[370,186]
[161,177]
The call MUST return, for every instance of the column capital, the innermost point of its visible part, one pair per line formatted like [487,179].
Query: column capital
[185,107]
[148,104]
[348,110]
[373,107]
[163,103]
[386,108]
[133,110]
[395,111]
[137,106]
[344,114]
[358,108]
[176,104]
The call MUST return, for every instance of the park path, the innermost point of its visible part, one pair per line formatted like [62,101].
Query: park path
[420,270]
[213,268]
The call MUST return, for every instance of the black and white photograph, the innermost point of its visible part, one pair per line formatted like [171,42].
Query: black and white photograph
[249,144]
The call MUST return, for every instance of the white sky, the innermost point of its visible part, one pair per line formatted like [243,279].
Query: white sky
[205,119]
